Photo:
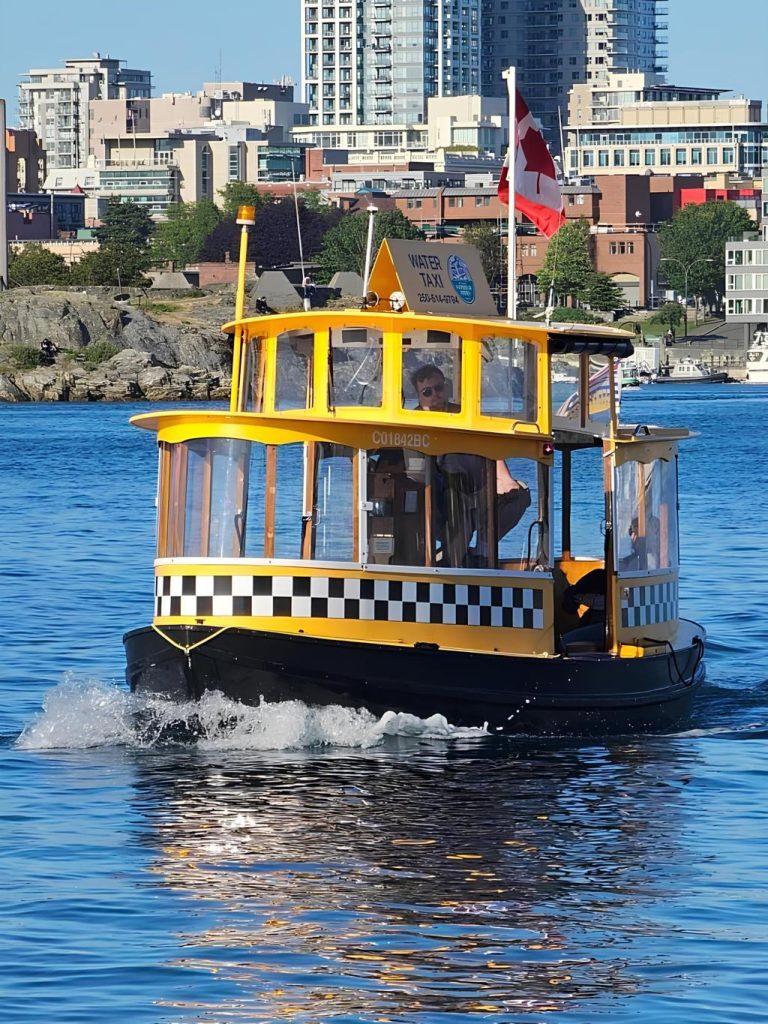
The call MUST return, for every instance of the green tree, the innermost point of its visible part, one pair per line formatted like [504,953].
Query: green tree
[181,237]
[34,264]
[125,224]
[240,193]
[695,235]
[344,245]
[602,292]
[671,315]
[565,315]
[314,200]
[111,265]
[492,249]
[568,261]
[274,241]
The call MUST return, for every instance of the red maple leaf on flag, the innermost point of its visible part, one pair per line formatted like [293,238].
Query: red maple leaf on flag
[538,199]
[537,157]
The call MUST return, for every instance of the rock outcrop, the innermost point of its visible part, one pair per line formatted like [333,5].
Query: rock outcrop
[178,358]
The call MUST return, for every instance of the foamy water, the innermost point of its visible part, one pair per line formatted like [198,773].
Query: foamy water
[79,714]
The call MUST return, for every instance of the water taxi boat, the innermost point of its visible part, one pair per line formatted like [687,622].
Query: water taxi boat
[757,359]
[391,516]
[689,371]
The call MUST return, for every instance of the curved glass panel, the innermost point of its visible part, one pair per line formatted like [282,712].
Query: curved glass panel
[253,376]
[207,498]
[646,532]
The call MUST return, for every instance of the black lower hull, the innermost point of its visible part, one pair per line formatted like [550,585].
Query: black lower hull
[590,693]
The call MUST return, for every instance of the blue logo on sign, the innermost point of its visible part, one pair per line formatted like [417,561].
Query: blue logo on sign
[461,279]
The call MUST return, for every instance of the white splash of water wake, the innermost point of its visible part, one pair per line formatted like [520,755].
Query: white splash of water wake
[79,714]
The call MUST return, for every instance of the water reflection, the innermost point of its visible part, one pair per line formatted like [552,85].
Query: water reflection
[406,882]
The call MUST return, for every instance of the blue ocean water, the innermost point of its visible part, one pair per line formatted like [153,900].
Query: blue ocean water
[328,867]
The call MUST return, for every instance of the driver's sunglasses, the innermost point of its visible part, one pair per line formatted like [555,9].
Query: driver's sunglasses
[438,388]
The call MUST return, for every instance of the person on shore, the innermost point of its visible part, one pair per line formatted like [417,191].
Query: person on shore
[48,350]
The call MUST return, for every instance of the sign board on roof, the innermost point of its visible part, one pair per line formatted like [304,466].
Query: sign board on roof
[434,277]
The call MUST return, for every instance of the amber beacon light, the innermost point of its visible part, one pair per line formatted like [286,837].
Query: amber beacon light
[246,215]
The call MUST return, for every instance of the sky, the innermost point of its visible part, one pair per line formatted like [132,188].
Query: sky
[186,43]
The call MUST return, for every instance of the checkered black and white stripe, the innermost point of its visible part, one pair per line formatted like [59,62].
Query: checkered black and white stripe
[649,605]
[322,597]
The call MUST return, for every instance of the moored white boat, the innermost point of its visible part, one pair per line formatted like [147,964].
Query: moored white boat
[757,359]
[689,371]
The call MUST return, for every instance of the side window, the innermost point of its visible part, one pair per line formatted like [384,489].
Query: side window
[432,371]
[508,381]
[207,499]
[293,386]
[646,536]
[455,511]
[253,376]
[333,511]
[356,366]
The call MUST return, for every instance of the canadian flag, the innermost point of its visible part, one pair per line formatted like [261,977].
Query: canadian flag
[537,193]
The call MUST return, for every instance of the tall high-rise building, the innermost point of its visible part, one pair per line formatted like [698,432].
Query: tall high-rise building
[53,102]
[556,44]
[378,61]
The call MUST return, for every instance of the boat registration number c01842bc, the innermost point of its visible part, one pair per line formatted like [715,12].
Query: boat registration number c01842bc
[400,439]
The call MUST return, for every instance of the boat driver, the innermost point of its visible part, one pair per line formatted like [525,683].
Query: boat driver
[463,479]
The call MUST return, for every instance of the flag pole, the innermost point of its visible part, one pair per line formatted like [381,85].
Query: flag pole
[510,76]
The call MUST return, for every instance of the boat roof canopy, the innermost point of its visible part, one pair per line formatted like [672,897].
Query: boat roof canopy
[576,344]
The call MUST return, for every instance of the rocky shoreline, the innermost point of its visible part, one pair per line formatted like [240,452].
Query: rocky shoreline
[179,354]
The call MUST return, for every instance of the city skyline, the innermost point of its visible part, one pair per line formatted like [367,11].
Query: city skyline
[225,48]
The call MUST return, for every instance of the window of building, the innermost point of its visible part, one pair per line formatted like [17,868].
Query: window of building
[665,157]
[711,155]
[634,158]
[681,157]
[618,158]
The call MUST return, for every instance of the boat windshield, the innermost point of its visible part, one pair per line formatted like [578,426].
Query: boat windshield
[432,371]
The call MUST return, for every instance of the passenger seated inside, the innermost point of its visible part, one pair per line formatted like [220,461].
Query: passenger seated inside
[589,591]
[645,553]
[462,486]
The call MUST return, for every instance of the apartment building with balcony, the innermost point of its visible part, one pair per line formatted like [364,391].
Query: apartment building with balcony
[54,102]
[556,44]
[636,123]
[377,62]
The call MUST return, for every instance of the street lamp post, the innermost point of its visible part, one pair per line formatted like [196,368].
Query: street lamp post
[686,270]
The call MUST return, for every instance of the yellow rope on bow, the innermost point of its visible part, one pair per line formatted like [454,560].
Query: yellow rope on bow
[188,650]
